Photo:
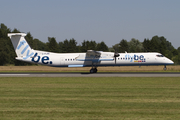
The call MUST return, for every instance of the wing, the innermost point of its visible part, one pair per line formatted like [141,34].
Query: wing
[94,56]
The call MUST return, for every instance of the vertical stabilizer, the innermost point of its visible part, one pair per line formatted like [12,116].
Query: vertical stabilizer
[21,47]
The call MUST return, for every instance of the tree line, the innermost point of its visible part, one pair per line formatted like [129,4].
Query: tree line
[156,44]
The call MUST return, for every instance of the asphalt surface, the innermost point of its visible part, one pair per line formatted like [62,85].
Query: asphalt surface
[105,74]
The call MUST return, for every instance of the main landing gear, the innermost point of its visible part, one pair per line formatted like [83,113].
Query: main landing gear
[93,70]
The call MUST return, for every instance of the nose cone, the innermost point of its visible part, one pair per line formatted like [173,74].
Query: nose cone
[170,61]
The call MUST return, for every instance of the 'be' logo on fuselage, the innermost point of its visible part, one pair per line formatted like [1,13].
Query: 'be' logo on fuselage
[44,59]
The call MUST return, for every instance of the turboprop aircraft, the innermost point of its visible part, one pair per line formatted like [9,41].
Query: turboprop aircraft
[91,58]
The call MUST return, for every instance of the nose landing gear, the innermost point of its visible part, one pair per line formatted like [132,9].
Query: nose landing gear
[165,68]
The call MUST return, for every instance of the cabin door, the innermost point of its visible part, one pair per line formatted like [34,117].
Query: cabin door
[62,61]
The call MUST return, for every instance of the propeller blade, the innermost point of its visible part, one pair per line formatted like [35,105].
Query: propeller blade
[116,54]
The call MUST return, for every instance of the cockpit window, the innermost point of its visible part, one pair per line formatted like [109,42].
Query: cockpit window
[159,55]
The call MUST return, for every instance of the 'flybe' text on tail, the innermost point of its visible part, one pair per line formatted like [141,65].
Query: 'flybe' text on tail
[21,47]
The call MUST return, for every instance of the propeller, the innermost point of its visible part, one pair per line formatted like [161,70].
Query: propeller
[116,54]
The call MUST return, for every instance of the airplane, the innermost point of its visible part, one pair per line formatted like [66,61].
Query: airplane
[91,58]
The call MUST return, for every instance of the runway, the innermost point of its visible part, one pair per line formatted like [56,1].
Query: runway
[104,74]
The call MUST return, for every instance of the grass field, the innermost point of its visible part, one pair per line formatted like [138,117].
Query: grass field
[90,98]
[86,69]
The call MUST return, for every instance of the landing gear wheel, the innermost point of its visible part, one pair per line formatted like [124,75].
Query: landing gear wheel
[165,68]
[93,70]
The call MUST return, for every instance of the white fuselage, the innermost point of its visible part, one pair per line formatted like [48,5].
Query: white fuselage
[89,59]
[105,59]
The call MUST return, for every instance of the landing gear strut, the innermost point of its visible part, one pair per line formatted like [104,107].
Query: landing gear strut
[93,70]
[165,67]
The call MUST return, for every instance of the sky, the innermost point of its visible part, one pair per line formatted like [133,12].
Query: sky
[98,20]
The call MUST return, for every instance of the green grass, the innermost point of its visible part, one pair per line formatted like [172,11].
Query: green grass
[90,98]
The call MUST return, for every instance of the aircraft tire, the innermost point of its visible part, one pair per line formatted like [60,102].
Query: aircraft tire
[165,68]
[93,70]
